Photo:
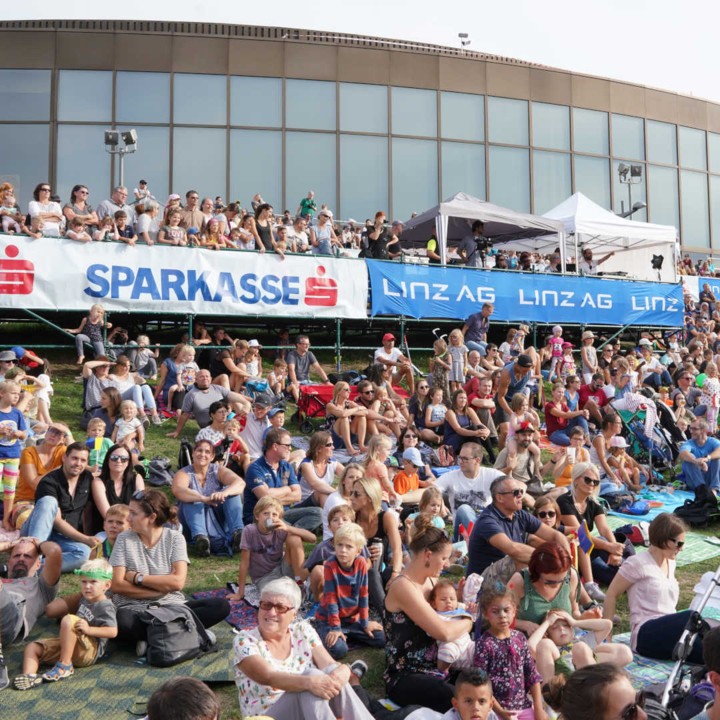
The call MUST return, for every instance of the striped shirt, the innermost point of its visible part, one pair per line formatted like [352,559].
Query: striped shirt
[345,595]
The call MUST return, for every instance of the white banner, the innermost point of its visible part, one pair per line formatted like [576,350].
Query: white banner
[58,274]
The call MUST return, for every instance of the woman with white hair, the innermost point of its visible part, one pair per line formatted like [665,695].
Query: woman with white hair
[282,669]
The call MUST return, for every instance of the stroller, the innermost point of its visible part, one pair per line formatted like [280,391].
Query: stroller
[655,450]
[312,406]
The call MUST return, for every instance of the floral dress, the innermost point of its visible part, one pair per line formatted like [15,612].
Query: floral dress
[509,666]
[255,699]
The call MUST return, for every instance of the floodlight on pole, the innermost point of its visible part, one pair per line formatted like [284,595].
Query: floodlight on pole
[464,41]
[112,146]
[630,175]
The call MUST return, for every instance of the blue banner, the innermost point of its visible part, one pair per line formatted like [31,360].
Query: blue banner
[432,291]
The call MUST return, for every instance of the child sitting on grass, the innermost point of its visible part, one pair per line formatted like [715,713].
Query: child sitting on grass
[128,430]
[630,471]
[83,636]
[344,608]
[269,548]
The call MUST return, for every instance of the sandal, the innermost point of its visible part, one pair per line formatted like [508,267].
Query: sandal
[59,672]
[27,681]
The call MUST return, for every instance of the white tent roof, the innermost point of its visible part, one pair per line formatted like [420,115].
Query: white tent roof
[582,216]
[462,209]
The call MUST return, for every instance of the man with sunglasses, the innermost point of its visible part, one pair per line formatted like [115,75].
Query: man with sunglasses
[61,498]
[8,360]
[498,546]
[700,457]
[272,474]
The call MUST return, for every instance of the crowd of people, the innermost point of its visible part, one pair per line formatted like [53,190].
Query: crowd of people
[401,457]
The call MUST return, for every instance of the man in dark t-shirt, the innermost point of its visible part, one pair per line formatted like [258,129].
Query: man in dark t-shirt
[300,362]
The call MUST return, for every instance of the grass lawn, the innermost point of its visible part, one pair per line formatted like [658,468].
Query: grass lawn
[215,572]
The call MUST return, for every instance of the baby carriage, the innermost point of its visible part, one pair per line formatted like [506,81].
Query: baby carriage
[654,450]
[312,406]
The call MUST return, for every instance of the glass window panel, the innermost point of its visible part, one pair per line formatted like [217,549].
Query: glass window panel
[628,137]
[200,99]
[363,157]
[715,210]
[24,150]
[692,148]
[24,94]
[694,188]
[552,182]
[714,151]
[256,101]
[508,121]
[510,178]
[85,95]
[363,108]
[414,112]
[663,202]
[463,169]
[661,142]
[142,97]
[638,192]
[414,176]
[551,126]
[204,170]
[310,104]
[76,165]
[151,162]
[592,178]
[590,132]
[256,166]
[310,160]
[463,116]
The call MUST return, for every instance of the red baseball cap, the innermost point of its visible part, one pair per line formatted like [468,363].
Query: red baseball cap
[387,337]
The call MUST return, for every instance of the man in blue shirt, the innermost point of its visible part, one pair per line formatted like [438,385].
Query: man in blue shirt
[497,546]
[273,475]
[700,458]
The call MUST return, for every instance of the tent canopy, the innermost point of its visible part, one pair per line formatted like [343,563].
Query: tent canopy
[457,214]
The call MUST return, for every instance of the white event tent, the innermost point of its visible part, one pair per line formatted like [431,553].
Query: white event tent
[586,224]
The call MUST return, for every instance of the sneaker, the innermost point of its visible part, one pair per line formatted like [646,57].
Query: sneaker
[145,420]
[594,591]
[211,637]
[202,546]
[141,648]
[359,668]
[156,420]
[235,542]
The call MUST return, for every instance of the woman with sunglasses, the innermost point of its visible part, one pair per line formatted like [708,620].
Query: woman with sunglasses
[581,506]
[416,408]
[649,580]
[410,438]
[595,692]
[317,471]
[150,566]
[209,502]
[79,207]
[282,669]
[43,208]
[117,483]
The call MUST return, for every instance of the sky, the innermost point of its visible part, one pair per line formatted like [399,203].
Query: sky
[665,44]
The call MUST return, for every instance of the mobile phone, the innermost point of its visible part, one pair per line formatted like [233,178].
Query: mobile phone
[232,587]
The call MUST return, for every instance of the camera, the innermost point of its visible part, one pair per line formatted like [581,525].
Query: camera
[483,244]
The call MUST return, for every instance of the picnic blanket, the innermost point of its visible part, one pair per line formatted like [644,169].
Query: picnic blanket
[645,671]
[116,687]
[243,613]
[669,500]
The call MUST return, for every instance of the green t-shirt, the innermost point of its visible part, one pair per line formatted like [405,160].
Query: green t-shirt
[307,207]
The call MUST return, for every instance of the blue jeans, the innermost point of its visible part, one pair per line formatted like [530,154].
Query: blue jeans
[657,638]
[228,516]
[694,476]
[562,437]
[656,381]
[40,525]
[352,631]
[307,518]
[142,396]
[480,346]
[463,515]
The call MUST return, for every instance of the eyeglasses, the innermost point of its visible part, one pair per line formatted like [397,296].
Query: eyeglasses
[468,458]
[84,192]
[368,392]
[330,444]
[9,362]
[552,583]
[410,436]
[679,544]
[518,492]
[591,481]
[55,431]
[542,514]
[120,458]
[357,494]
[631,711]
[287,445]
[45,189]
[279,608]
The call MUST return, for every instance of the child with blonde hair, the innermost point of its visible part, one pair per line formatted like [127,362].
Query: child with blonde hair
[97,443]
[277,377]
[187,368]
[440,366]
[458,358]
[128,430]
[11,216]
[13,432]
[145,358]
[711,396]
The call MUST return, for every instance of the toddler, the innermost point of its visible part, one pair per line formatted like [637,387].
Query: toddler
[37,226]
[83,636]
[383,405]
[567,362]
[270,548]
[11,218]
[128,430]
[458,358]
[556,351]
[457,653]
[13,432]
[277,377]
[97,443]
[627,468]
[187,368]
[77,231]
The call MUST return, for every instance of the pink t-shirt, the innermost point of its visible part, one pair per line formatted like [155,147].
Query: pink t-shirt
[652,593]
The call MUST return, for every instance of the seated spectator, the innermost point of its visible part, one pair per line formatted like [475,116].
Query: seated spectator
[132,387]
[90,331]
[391,357]
[209,502]
[43,210]
[183,698]
[116,202]
[700,457]
[146,211]
[593,398]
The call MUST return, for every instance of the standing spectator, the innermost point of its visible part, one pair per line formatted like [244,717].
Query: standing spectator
[263,226]
[472,248]
[587,265]
[79,207]
[300,362]
[191,216]
[322,235]
[378,238]
[307,207]
[147,210]
[297,236]
[588,356]
[476,328]
[117,202]
[43,210]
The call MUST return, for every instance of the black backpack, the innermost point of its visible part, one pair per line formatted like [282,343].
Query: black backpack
[174,634]
[159,471]
[700,511]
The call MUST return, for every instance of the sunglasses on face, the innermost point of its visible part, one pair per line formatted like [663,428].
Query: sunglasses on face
[679,544]
[122,459]
[542,514]
[631,711]
[330,444]
[368,392]
[279,608]
[518,492]
[591,481]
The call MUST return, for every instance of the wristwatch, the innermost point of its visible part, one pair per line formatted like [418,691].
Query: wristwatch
[138,579]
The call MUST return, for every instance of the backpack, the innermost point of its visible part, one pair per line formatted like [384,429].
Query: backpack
[700,511]
[159,471]
[174,634]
